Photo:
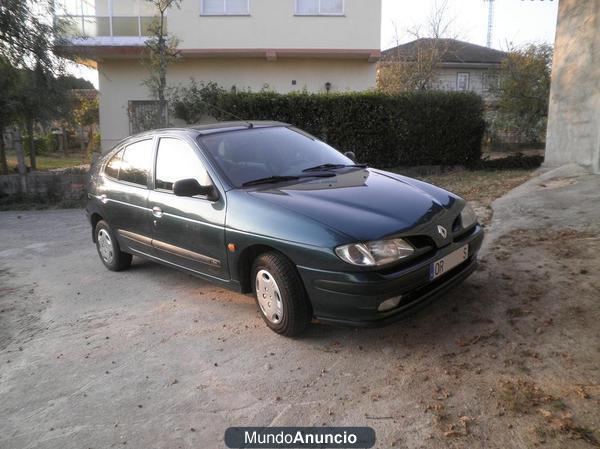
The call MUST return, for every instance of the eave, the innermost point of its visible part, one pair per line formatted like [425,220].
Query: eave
[91,52]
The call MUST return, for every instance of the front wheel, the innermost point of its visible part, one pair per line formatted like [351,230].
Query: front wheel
[108,249]
[280,295]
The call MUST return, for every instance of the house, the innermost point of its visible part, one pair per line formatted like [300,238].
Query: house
[573,133]
[280,45]
[461,66]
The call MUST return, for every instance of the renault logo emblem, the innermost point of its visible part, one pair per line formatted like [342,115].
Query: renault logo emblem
[442,231]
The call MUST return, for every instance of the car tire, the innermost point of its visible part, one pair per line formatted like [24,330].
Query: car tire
[109,250]
[280,296]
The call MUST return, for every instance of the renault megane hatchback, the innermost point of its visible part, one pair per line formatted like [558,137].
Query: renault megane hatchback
[266,208]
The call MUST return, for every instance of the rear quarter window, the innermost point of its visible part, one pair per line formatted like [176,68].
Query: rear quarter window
[114,164]
[136,163]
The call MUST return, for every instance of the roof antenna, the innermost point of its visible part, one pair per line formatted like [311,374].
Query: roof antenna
[247,122]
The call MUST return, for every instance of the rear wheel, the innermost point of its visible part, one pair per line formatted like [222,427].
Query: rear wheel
[108,248]
[280,295]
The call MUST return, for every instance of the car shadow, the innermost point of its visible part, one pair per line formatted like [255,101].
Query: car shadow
[459,314]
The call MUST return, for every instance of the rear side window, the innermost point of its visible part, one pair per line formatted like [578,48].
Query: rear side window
[112,168]
[176,160]
[136,163]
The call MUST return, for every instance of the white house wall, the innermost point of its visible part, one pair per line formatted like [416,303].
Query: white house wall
[121,81]
[447,77]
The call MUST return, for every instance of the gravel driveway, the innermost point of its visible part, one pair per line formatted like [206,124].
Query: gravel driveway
[152,358]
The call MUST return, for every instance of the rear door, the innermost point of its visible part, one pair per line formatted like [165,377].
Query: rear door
[188,231]
[127,176]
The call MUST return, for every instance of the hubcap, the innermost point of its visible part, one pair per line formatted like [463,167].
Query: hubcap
[105,246]
[269,298]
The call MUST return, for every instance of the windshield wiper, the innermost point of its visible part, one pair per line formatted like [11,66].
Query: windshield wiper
[274,179]
[333,167]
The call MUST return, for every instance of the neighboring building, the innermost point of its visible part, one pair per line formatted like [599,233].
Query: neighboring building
[281,45]
[463,66]
[574,114]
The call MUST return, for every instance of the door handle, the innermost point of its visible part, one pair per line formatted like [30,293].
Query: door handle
[103,198]
[157,211]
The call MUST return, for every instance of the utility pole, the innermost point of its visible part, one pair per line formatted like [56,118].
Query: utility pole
[490,28]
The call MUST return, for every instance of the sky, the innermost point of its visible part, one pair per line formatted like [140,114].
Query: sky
[516,22]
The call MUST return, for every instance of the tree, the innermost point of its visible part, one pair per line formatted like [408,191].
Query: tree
[85,112]
[415,66]
[42,98]
[524,88]
[27,40]
[161,51]
[9,82]
[25,34]
[73,82]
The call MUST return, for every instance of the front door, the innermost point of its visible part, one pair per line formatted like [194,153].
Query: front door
[188,231]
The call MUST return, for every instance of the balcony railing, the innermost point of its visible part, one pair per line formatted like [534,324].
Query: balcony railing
[101,26]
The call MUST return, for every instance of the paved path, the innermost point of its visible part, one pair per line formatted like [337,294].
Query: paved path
[152,358]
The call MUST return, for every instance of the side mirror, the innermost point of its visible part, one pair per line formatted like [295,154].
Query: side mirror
[350,155]
[191,187]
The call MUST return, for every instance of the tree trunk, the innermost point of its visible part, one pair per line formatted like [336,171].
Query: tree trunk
[20,153]
[3,152]
[31,143]
[66,140]
[162,82]
[81,139]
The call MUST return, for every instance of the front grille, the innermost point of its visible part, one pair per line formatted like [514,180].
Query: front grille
[420,241]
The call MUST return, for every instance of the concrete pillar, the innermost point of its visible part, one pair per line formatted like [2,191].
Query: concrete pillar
[574,114]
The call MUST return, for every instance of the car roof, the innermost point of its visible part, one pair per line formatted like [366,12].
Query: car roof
[217,127]
[213,128]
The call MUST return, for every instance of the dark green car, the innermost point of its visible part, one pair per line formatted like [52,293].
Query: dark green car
[266,208]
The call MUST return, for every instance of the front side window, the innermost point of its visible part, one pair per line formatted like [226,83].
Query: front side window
[136,162]
[225,7]
[252,154]
[319,7]
[175,161]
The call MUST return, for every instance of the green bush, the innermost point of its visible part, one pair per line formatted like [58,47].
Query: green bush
[417,128]
[39,143]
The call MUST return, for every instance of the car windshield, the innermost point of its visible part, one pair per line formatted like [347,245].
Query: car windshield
[270,154]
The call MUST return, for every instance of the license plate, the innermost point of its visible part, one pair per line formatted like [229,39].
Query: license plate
[445,264]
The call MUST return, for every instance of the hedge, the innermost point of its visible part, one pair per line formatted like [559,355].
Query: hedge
[515,161]
[417,128]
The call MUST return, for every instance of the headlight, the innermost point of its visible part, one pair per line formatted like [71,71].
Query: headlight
[468,217]
[377,253]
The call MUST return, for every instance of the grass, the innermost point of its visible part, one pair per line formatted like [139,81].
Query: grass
[522,396]
[49,161]
[479,185]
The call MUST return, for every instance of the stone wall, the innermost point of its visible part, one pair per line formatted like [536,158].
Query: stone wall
[54,186]
[574,116]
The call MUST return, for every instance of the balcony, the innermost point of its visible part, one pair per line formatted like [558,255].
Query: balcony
[104,26]
[105,22]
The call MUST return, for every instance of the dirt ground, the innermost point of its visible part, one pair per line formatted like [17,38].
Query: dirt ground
[155,358]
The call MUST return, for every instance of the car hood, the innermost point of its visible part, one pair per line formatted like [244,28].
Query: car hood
[369,204]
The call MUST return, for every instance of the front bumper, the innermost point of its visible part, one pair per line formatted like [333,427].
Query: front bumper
[352,298]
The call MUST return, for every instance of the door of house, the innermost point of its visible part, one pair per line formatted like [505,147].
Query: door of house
[144,115]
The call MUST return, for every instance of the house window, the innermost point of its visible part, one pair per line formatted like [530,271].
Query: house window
[225,7]
[462,81]
[319,7]
[489,82]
